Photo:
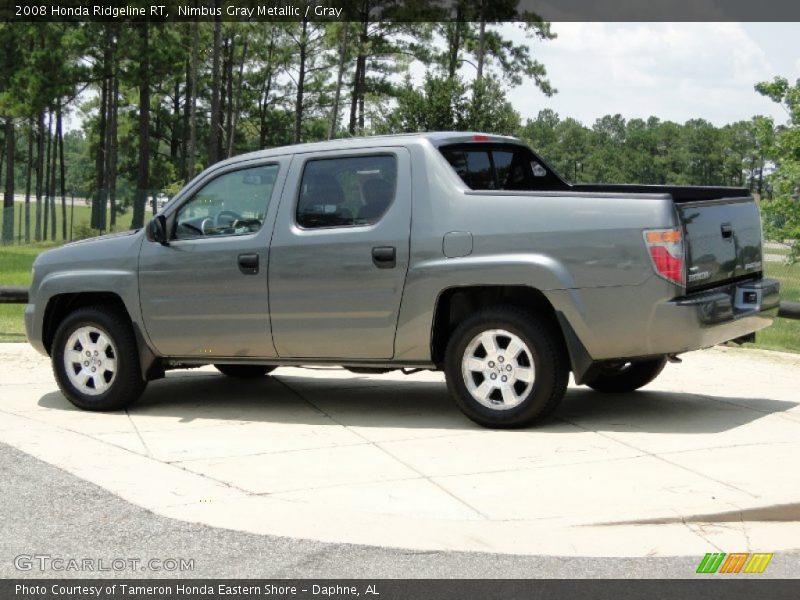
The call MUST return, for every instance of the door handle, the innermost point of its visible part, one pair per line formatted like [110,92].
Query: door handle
[248,264]
[726,230]
[384,257]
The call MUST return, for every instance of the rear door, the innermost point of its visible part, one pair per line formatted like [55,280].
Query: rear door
[340,253]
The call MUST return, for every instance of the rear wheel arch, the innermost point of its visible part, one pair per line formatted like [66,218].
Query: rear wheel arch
[505,367]
[456,304]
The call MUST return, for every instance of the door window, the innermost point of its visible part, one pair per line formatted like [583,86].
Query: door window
[235,203]
[341,192]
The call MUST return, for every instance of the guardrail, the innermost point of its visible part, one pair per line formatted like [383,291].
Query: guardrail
[789,310]
[13,295]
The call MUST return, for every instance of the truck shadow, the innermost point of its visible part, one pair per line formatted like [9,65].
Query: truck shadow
[362,401]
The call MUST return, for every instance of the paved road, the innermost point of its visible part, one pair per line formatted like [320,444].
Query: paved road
[47,511]
[695,463]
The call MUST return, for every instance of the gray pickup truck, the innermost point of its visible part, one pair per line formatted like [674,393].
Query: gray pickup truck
[458,252]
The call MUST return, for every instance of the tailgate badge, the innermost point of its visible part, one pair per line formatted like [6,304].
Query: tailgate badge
[698,275]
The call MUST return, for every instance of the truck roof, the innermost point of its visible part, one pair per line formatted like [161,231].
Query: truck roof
[437,138]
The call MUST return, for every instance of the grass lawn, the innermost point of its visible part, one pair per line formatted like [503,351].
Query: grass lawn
[77,221]
[778,251]
[15,270]
[16,261]
[784,333]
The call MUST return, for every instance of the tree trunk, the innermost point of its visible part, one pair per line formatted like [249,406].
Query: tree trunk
[143,172]
[339,77]
[192,100]
[360,75]
[481,42]
[184,143]
[301,78]
[2,155]
[46,182]
[236,101]
[8,197]
[263,102]
[454,43]
[62,173]
[362,92]
[228,112]
[39,168]
[213,137]
[174,138]
[111,147]
[28,174]
[52,194]
[98,219]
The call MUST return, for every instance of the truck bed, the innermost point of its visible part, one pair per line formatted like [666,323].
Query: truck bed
[679,193]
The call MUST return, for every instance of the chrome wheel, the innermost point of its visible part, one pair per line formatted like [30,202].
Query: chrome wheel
[90,360]
[498,369]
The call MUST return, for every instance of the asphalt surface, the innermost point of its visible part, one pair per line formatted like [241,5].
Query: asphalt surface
[46,511]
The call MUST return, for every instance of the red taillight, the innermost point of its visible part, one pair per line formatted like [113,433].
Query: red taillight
[666,251]
[480,138]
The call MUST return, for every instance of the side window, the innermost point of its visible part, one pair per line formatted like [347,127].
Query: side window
[341,192]
[473,166]
[514,170]
[479,166]
[234,203]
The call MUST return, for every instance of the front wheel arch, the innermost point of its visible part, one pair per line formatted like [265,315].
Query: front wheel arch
[60,306]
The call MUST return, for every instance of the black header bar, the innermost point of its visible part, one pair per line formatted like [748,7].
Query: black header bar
[707,587]
[400,10]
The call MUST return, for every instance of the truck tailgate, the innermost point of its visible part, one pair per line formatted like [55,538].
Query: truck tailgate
[723,240]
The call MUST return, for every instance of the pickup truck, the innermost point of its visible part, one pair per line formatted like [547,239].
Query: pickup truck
[460,252]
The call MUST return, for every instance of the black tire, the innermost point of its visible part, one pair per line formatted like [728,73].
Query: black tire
[126,384]
[550,364]
[244,371]
[626,376]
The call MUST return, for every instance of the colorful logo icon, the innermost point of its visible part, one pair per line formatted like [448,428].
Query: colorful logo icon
[737,562]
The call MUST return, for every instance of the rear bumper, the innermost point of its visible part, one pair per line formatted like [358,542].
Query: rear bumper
[715,316]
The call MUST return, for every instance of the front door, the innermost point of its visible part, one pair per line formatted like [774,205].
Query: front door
[340,253]
[205,294]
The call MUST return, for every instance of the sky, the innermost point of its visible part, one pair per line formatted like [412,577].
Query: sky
[676,71]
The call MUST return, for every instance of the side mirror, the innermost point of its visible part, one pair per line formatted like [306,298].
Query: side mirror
[157,230]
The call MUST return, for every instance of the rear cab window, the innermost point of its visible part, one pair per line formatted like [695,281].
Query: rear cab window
[500,167]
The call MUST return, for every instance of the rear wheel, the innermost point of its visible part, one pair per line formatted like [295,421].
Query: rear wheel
[95,360]
[244,371]
[624,376]
[506,368]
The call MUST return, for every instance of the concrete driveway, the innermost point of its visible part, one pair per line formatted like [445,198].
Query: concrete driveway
[703,459]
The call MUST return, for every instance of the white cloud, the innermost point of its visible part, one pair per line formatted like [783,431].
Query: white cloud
[676,71]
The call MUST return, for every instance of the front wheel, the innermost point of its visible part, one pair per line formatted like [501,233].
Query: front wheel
[506,368]
[621,376]
[95,360]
